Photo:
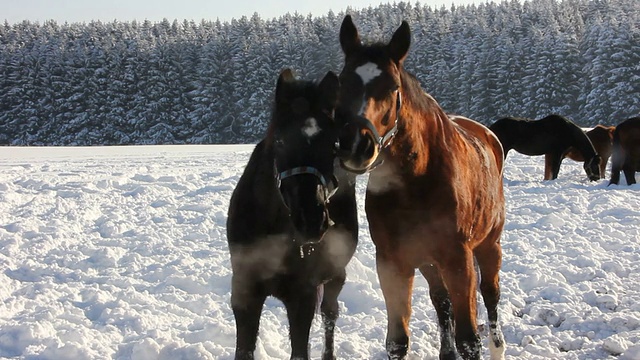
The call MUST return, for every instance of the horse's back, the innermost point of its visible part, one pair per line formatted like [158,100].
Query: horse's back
[511,132]
[483,134]
[628,130]
[550,134]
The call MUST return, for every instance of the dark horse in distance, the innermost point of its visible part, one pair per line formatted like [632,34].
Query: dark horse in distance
[434,199]
[602,139]
[626,151]
[551,136]
[292,222]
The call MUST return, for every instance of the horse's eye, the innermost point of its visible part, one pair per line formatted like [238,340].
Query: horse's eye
[331,113]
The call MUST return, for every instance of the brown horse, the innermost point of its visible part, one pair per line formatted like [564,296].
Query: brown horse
[626,151]
[601,137]
[434,198]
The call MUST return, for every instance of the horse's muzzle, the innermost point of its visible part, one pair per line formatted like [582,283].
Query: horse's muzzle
[358,145]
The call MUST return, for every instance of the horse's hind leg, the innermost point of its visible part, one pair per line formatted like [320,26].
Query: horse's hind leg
[330,311]
[629,174]
[547,167]
[617,161]
[300,312]
[629,168]
[246,302]
[552,163]
[459,277]
[489,259]
[442,303]
[396,283]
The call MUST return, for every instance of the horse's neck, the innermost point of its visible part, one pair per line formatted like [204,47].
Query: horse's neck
[424,129]
[583,144]
[264,174]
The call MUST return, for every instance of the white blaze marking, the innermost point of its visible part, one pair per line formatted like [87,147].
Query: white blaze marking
[311,128]
[368,72]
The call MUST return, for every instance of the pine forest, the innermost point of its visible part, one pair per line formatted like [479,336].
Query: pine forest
[210,82]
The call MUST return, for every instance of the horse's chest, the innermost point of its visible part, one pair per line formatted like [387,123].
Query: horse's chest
[277,259]
[400,228]
[385,178]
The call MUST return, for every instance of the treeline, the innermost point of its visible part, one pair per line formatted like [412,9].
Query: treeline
[183,82]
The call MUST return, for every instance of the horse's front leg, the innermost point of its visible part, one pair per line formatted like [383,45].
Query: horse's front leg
[442,304]
[603,166]
[246,302]
[300,312]
[330,311]
[396,282]
[459,276]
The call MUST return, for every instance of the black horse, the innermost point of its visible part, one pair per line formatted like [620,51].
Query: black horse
[286,238]
[625,155]
[551,136]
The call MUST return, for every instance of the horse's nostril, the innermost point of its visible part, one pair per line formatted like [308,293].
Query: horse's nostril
[371,146]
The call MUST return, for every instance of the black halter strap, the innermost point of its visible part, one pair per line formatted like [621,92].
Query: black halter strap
[386,139]
[330,187]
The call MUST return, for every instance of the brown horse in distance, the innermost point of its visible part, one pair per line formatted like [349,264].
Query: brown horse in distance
[434,199]
[602,138]
[625,155]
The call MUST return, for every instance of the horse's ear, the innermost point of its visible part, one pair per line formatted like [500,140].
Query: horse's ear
[400,42]
[329,87]
[285,76]
[349,38]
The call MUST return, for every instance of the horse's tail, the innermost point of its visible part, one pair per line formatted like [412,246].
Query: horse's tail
[616,148]
[617,157]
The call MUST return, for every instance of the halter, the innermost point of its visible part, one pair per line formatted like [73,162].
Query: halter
[329,187]
[384,141]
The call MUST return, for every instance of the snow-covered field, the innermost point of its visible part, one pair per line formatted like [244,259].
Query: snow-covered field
[120,253]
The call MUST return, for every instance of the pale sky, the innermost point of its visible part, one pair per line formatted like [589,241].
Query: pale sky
[155,10]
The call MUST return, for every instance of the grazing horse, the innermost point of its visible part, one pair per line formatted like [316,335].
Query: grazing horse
[434,198]
[551,136]
[626,151]
[601,137]
[286,239]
